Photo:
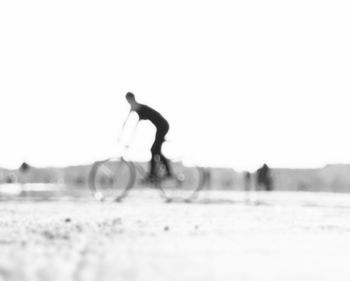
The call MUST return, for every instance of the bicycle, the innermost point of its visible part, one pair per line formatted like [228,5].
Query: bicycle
[113,178]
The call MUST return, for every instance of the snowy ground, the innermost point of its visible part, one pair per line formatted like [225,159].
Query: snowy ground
[278,236]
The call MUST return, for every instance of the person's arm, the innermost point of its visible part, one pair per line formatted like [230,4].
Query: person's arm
[133,132]
[123,127]
[126,120]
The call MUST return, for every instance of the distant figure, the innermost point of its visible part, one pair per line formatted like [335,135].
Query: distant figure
[24,167]
[145,112]
[264,178]
[247,185]
[207,179]
[23,177]
[247,181]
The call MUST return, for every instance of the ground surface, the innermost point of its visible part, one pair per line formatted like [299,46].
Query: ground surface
[279,236]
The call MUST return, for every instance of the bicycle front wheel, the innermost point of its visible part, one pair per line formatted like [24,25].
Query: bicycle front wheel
[184,185]
[111,179]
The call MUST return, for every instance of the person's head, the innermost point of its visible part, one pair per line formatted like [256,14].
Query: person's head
[130,97]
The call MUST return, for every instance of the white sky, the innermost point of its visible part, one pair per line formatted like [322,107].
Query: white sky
[241,82]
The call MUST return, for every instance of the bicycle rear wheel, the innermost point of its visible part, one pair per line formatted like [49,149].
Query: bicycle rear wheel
[184,185]
[111,179]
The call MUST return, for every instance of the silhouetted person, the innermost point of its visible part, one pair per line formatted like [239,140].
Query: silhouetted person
[264,178]
[207,179]
[247,181]
[145,112]
[248,186]
[24,169]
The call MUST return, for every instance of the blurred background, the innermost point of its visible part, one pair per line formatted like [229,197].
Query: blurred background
[36,181]
[241,83]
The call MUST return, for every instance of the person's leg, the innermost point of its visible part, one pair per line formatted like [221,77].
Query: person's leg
[163,159]
[155,150]
[152,169]
[166,164]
